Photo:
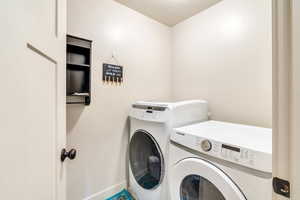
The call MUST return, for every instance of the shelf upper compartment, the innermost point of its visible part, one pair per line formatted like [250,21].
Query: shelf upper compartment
[78,46]
[78,42]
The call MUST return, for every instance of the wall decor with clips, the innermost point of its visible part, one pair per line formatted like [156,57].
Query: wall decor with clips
[112,74]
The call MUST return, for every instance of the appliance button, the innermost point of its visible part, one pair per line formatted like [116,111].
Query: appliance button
[206,145]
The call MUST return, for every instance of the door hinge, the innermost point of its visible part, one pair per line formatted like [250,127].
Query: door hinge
[281,187]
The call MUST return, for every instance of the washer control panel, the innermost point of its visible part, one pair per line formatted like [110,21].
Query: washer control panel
[228,152]
[237,154]
[240,155]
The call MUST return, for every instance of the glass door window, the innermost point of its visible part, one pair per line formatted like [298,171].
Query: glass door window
[146,160]
[198,179]
[195,187]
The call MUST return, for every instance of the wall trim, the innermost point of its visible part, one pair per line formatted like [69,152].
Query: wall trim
[107,192]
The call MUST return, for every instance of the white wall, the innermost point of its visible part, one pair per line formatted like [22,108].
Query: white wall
[99,132]
[223,55]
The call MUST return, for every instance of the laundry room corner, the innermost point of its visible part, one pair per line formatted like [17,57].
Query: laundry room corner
[100,131]
[224,55]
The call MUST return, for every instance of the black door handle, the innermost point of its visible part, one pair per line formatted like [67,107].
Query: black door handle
[68,154]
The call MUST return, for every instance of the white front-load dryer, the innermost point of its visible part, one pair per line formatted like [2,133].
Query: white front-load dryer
[150,127]
[220,161]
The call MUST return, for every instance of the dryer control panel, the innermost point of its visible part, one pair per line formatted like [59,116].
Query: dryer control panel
[150,113]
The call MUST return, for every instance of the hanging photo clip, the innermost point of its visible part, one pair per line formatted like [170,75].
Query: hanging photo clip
[112,74]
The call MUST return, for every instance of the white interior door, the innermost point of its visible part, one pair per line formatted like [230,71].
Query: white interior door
[32,86]
[295,102]
[286,94]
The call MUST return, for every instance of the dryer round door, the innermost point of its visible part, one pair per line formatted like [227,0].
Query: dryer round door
[146,160]
[197,179]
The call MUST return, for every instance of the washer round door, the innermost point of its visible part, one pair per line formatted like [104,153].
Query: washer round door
[197,179]
[146,160]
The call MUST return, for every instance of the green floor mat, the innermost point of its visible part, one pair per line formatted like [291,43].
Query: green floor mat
[123,195]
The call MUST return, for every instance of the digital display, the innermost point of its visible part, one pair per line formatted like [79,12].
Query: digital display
[231,148]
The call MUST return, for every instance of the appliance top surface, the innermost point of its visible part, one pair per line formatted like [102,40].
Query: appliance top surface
[251,137]
[170,105]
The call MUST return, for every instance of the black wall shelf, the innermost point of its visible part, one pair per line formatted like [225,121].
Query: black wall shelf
[77,65]
[78,70]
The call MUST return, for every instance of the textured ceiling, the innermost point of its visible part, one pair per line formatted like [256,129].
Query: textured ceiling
[169,12]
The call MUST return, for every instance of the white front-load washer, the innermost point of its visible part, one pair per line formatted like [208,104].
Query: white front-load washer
[220,161]
[150,127]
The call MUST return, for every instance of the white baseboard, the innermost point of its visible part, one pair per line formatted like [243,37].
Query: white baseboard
[107,192]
